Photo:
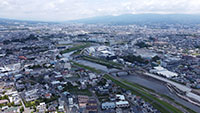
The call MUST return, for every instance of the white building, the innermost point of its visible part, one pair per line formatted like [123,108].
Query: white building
[121,104]
[42,107]
[121,97]
[92,75]
[67,66]
[108,105]
[70,101]
[162,71]
[55,82]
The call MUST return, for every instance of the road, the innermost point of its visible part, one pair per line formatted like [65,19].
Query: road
[181,87]
[26,110]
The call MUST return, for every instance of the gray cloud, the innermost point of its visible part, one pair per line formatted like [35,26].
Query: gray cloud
[61,10]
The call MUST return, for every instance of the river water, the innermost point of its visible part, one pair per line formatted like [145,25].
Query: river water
[156,85]
[159,87]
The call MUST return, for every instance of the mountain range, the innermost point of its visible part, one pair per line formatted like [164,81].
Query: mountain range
[142,19]
[128,19]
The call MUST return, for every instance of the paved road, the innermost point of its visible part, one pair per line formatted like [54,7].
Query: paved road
[26,110]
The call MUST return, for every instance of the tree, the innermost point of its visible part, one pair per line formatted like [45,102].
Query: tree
[21,109]
[4,97]
[133,58]
[155,58]
[142,44]
[11,104]
[34,107]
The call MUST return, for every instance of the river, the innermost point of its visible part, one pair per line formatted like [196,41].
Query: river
[148,82]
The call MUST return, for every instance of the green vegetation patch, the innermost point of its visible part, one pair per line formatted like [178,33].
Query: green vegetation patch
[107,63]
[133,58]
[142,45]
[78,52]
[78,47]
[75,90]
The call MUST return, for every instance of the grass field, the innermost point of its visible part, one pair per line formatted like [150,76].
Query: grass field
[77,47]
[107,63]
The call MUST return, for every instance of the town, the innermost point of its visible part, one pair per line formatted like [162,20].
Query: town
[94,68]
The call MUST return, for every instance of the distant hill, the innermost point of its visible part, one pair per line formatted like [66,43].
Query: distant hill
[143,19]
[124,19]
[13,21]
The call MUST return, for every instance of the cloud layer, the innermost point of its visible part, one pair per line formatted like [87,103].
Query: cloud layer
[62,10]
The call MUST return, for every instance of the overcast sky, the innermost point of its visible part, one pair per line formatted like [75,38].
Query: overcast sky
[62,10]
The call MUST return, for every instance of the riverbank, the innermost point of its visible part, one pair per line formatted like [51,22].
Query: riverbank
[160,88]
[146,81]
[192,97]
[181,94]
[158,102]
